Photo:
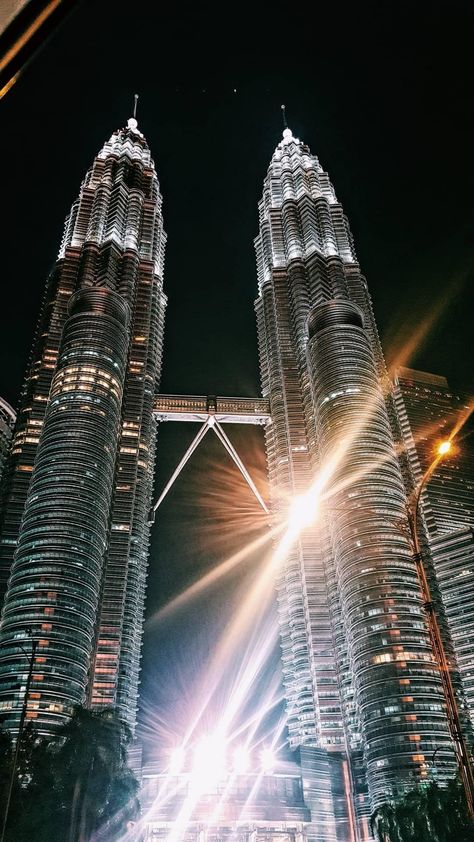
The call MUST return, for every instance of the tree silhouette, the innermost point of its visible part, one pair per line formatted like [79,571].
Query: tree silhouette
[75,787]
[428,813]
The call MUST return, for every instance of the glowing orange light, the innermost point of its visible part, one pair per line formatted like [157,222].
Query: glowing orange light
[444,447]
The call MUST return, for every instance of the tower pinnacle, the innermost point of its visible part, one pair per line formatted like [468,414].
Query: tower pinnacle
[132,121]
[287,133]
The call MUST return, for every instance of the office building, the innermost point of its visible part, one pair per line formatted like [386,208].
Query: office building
[358,668]
[74,539]
[428,411]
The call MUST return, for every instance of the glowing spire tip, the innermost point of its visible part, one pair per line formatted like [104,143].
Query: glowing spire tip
[132,122]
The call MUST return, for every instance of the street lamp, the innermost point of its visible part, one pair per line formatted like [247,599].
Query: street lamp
[462,752]
[31,656]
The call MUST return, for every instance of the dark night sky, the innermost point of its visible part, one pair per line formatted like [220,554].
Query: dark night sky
[380,91]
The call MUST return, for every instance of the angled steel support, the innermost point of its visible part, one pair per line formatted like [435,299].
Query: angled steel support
[211,423]
[243,470]
[192,447]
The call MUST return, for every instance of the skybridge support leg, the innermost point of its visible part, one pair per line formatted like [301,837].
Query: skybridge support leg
[210,423]
[192,447]
[243,470]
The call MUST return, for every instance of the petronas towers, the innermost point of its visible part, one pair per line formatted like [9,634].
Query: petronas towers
[364,699]
[361,681]
[74,542]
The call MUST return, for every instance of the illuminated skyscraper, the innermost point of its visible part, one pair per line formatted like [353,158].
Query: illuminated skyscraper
[7,422]
[429,410]
[74,539]
[357,663]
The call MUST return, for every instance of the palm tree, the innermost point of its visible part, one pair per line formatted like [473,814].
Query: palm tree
[427,813]
[75,787]
[6,757]
[383,824]
[90,754]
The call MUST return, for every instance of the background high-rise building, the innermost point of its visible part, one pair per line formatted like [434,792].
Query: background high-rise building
[429,410]
[357,662]
[74,540]
[7,422]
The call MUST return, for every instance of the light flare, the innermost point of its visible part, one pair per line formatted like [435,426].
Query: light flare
[178,756]
[241,760]
[304,510]
[444,447]
[209,761]
[268,760]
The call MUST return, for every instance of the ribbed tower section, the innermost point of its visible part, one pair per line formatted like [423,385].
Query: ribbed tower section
[74,540]
[429,411]
[7,422]
[357,665]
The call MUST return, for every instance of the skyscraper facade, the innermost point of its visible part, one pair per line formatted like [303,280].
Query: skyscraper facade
[357,662]
[427,410]
[7,422]
[74,540]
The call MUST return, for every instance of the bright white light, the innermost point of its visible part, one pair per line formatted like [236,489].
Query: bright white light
[209,761]
[177,760]
[267,758]
[241,760]
[303,510]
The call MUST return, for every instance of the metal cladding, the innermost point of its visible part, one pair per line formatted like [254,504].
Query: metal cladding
[358,671]
[7,422]
[453,556]
[429,411]
[392,664]
[74,540]
[65,523]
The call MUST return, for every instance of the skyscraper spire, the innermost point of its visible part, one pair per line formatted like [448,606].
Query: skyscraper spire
[283,112]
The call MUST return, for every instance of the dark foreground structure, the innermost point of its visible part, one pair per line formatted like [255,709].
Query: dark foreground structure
[247,807]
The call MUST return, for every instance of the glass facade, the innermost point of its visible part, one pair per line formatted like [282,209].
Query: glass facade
[360,678]
[74,540]
[7,422]
[428,411]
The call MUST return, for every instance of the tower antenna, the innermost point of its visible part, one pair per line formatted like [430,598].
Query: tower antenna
[135,98]
[283,114]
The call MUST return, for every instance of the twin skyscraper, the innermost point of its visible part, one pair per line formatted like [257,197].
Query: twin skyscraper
[364,697]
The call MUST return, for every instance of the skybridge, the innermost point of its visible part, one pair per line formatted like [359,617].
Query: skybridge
[200,407]
[211,412]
